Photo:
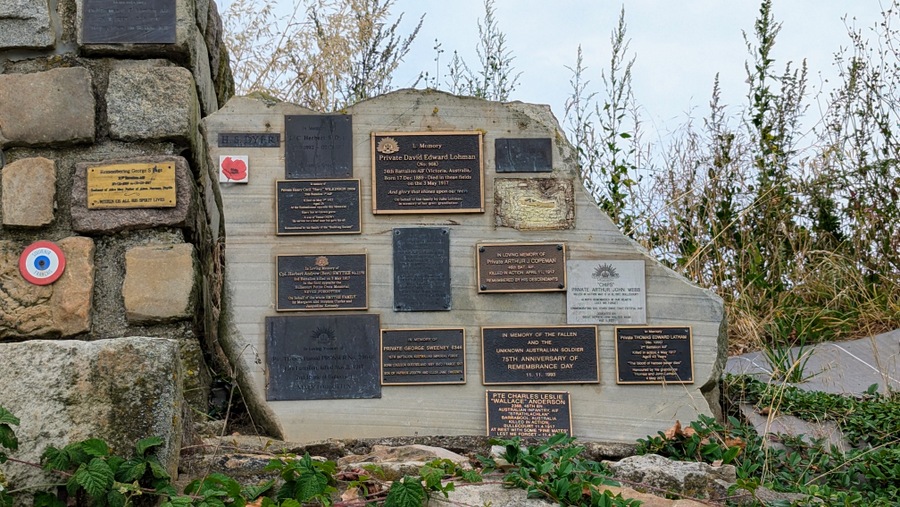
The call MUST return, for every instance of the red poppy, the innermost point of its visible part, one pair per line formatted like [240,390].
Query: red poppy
[234,169]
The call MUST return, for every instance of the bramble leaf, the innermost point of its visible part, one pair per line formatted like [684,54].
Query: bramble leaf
[407,492]
[145,444]
[96,477]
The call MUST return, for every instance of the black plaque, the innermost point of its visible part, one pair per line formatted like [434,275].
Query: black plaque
[423,356]
[422,269]
[249,140]
[654,355]
[318,146]
[539,355]
[523,155]
[317,207]
[128,22]
[528,413]
[521,267]
[322,357]
[321,282]
[427,172]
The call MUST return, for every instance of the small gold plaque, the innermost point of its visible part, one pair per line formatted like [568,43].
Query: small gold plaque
[139,185]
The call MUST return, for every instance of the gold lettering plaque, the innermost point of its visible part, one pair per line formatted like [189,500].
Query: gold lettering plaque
[138,185]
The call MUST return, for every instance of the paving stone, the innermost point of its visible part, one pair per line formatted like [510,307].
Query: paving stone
[152,103]
[29,192]
[25,24]
[46,108]
[781,424]
[159,283]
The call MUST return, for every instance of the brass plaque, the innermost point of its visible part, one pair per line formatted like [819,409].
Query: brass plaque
[138,185]
[528,413]
[654,355]
[321,282]
[423,356]
[521,267]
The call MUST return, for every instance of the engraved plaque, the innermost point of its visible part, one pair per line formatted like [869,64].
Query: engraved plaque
[523,155]
[534,204]
[322,357]
[317,207]
[425,172]
[128,22]
[318,146]
[521,267]
[423,356]
[528,413]
[321,282]
[654,355]
[249,140]
[422,269]
[606,292]
[137,185]
[539,355]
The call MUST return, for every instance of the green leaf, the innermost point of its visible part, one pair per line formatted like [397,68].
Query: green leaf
[253,492]
[8,438]
[157,469]
[407,492]
[55,459]
[310,484]
[432,477]
[179,501]
[131,470]
[145,444]
[471,476]
[47,499]
[5,499]
[6,417]
[95,447]
[96,478]
[115,499]
[290,502]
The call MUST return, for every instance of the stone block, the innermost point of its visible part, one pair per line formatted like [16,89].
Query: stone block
[200,67]
[61,309]
[159,283]
[152,103]
[54,107]
[29,192]
[25,24]
[120,390]
[114,220]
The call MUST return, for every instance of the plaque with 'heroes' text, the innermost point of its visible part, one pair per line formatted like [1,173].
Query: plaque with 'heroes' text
[521,267]
[321,282]
[318,146]
[528,413]
[423,356]
[654,355]
[128,22]
[427,172]
[317,207]
[421,269]
[327,357]
[539,355]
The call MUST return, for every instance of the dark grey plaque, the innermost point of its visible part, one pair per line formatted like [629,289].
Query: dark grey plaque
[423,356]
[322,357]
[521,267]
[523,155]
[321,282]
[249,140]
[128,22]
[317,207]
[318,146]
[539,355]
[528,413]
[422,269]
[427,172]
[654,355]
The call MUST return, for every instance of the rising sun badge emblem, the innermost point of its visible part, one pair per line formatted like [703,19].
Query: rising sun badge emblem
[605,272]
[387,145]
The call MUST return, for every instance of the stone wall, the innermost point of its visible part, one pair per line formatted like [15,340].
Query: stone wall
[141,287]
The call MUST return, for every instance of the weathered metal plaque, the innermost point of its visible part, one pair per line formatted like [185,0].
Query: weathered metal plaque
[317,207]
[321,282]
[606,292]
[523,155]
[521,267]
[422,269]
[654,355]
[427,172]
[137,185]
[318,146]
[249,140]
[423,356]
[322,357]
[128,22]
[534,204]
[539,355]
[528,413]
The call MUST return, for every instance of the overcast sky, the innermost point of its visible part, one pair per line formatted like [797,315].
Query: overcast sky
[679,45]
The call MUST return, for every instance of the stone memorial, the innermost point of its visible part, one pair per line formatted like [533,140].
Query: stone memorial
[427,207]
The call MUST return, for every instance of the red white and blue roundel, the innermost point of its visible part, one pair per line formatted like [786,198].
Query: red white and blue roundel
[42,263]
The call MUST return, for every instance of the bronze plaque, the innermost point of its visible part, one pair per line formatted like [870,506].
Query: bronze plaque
[317,207]
[128,22]
[321,282]
[422,269]
[318,146]
[539,355]
[654,355]
[521,267]
[423,356]
[539,414]
[427,172]
[136,185]
[322,357]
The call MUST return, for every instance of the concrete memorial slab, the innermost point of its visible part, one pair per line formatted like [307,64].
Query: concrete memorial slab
[546,208]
